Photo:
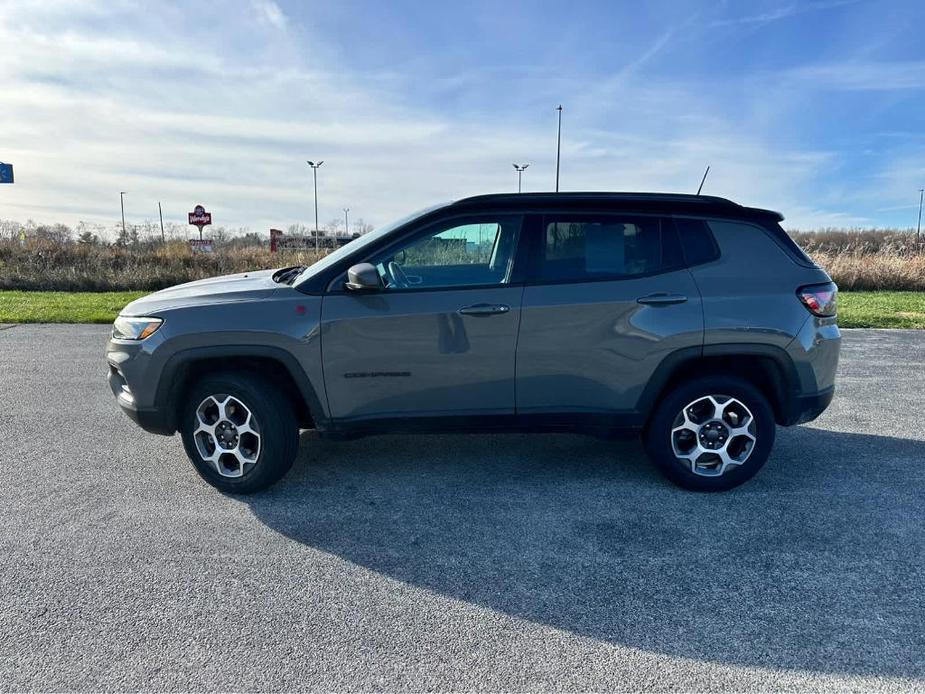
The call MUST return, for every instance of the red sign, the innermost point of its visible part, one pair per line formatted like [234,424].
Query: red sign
[199,217]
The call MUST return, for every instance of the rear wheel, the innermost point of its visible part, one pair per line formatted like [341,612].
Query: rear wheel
[240,433]
[711,434]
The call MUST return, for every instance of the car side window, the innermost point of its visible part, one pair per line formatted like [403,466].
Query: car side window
[697,241]
[463,253]
[586,248]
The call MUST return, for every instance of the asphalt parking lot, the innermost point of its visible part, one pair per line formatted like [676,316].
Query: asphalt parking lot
[457,562]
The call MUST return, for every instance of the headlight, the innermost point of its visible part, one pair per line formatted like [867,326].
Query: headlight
[126,328]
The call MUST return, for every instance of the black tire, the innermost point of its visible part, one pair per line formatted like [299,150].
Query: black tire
[279,430]
[658,442]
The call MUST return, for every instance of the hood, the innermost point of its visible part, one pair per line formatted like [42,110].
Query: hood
[245,286]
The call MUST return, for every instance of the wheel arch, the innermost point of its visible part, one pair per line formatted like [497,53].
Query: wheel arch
[184,368]
[768,368]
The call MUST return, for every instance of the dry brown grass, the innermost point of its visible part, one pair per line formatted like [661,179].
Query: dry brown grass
[43,265]
[859,259]
[856,260]
[879,271]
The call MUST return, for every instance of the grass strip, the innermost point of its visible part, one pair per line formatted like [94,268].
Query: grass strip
[63,307]
[881,309]
[855,309]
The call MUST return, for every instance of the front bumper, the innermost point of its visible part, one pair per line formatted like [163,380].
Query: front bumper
[127,379]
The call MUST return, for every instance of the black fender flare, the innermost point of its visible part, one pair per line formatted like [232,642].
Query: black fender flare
[787,387]
[168,388]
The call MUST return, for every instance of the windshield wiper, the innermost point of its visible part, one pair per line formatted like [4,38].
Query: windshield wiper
[287,275]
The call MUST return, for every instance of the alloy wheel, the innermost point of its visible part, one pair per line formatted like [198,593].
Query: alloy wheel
[713,434]
[227,435]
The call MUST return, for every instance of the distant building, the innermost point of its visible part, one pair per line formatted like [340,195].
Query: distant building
[326,240]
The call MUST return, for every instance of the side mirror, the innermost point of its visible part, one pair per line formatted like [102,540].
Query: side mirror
[363,277]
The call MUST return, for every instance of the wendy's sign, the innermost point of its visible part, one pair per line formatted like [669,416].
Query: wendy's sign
[200,218]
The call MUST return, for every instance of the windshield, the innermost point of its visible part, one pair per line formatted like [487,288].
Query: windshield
[358,244]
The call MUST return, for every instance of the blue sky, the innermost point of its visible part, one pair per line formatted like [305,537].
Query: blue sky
[813,108]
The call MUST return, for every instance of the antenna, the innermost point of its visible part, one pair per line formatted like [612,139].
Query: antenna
[700,187]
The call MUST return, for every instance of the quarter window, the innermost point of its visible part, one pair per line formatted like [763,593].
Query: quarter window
[697,241]
[589,248]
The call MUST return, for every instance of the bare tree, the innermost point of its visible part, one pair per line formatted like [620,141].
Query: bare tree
[10,229]
[56,233]
[123,238]
[361,227]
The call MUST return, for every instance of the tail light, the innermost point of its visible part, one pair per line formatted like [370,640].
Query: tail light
[819,299]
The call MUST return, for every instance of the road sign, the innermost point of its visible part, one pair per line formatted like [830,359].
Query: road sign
[6,173]
[199,217]
[201,245]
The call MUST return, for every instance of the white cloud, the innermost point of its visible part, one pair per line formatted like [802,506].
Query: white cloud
[269,12]
[186,106]
[782,12]
[854,75]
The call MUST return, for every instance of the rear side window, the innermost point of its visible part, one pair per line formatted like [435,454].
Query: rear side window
[586,248]
[782,238]
[697,241]
[773,231]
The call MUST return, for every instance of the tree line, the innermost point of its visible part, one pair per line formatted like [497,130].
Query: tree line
[148,232]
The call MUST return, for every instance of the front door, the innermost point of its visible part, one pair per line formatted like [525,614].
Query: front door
[439,338]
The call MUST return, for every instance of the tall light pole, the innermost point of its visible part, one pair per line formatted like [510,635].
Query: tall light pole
[346,222]
[558,145]
[160,213]
[315,168]
[122,204]
[520,168]
[918,229]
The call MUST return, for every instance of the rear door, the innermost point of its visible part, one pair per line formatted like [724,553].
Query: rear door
[608,297]
[439,339]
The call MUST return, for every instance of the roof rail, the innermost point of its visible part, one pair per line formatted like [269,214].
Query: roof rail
[706,204]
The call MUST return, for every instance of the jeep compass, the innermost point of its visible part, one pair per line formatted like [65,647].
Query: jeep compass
[692,321]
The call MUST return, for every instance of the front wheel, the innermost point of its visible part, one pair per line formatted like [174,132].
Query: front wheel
[240,432]
[711,434]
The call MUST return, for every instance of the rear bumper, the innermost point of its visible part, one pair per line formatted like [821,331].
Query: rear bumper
[815,354]
[806,408]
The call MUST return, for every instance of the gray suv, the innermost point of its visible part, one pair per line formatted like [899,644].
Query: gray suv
[692,320]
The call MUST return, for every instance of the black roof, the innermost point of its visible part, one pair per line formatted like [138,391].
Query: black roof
[641,202]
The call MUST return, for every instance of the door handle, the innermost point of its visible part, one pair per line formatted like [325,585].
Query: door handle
[483,310]
[662,299]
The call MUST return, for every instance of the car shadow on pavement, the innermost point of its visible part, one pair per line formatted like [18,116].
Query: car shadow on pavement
[816,564]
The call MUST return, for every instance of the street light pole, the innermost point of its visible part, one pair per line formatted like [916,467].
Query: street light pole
[918,229]
[346,222]
[558,145]
[315,168]
[520,168]
[122,204]
[160,213]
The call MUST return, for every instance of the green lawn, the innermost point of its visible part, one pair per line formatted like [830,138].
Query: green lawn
[881,309]
[63,307]
[855,309]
